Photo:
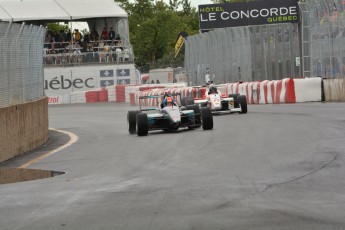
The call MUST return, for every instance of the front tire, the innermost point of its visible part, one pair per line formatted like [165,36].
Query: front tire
[207,118]
[142,129]
[132,121]
[243,102]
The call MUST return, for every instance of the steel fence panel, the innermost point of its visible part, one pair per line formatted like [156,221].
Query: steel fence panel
[21,63]
[316,48]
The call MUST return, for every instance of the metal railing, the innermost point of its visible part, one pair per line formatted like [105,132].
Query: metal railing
[21,63]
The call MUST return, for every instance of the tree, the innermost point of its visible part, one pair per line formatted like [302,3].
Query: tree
[56,27]
[154,26]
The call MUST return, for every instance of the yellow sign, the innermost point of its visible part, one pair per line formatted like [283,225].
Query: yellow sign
[178,45]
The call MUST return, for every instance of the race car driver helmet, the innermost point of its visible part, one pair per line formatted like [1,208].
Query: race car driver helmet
[212,89]
[169,101]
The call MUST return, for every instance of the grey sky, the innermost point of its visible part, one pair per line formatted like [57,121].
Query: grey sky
[195,3]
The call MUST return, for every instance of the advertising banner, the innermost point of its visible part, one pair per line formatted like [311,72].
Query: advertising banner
[179,42]
[59,83]
[257,12]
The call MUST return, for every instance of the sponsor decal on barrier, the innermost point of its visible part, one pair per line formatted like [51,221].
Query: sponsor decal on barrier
[123,72]
[123,82]
[106,83]
[107,73]
[54,100]
[61,82]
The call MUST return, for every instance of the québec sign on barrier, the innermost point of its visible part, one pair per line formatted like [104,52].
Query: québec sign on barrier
[248,13]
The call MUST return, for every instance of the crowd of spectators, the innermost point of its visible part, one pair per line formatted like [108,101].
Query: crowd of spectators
[75,46]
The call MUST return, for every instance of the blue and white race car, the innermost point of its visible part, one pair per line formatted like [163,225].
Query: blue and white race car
[168,116]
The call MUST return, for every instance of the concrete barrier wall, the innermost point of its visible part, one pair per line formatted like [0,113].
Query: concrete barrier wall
[24,127]
[288,90]
[334,89]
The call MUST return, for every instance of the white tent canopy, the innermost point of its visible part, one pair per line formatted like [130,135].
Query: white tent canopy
[96,13]
[58,10]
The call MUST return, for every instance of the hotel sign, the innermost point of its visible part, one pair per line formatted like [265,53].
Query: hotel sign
[257,12]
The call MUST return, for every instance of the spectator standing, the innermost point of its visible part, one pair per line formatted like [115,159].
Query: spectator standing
[111,34]
[104,35]
[48,37]
[208,77]
[69,35]
[94,36]
[77,35]
[118,40]
[62,35]
[55,37]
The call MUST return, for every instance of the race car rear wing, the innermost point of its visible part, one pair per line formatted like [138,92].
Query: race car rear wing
[156,96]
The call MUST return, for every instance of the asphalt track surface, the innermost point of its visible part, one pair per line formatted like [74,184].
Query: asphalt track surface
[277,167]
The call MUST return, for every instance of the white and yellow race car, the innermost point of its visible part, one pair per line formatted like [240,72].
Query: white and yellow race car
[218,103]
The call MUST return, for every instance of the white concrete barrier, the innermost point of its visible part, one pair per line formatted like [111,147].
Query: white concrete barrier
[266,92]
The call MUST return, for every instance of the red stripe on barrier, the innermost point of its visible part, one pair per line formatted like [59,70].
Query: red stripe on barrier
[103,95]
[252,101]
[266,91]
[120,93]
[132,98]
[201,93]
[258,91]
[278,91]
[273,92]
[237,87]
[144,88]
[92,96]
[290,96]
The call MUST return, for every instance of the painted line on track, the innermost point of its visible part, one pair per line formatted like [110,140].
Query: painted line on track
[73,139]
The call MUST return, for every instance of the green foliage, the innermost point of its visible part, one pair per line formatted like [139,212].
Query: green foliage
[154,27]
[56,27]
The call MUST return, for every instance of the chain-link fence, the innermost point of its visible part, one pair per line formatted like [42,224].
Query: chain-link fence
[21,63]
[323,38]
[315,48]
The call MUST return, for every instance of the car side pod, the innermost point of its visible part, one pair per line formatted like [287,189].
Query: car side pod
[132,121]
[142,126]
[207,118]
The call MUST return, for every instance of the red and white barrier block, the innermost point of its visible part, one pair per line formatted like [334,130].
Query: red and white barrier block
[185,92]
[287,90]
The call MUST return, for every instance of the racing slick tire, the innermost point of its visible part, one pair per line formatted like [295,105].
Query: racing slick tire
[207,118]
[236,102]
[187,101]
[132,121]
[142,128]
[243,102]
[197,114]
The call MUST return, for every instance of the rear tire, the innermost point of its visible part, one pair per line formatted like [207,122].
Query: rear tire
[132,121]
[197,114]
[142,128]
[236,102]
[243,102]
[207,118]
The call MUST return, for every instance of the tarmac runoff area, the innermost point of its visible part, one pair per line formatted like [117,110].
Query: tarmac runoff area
[16,169]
